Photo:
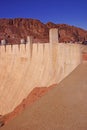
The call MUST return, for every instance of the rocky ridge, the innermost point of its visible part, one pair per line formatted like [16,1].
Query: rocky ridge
[14,29]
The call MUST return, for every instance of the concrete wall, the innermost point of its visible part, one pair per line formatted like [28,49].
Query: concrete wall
[33,65]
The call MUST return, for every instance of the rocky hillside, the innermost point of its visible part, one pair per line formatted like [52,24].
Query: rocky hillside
[14,29]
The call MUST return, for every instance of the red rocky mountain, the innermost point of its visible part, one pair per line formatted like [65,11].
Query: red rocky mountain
[14,29]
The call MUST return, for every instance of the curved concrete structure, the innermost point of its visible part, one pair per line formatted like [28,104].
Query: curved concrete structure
[25,66]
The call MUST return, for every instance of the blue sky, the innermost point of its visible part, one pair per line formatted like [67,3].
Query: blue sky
[57,11]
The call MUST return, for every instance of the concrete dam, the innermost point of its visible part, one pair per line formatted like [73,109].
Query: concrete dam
[26,66]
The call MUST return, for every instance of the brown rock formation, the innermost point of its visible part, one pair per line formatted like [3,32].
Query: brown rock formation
[14,29]
[84,56]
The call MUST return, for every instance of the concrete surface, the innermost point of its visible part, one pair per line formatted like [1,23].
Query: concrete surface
[24,67]
[63,108]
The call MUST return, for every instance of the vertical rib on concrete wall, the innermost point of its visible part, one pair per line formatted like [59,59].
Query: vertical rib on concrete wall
[53,35]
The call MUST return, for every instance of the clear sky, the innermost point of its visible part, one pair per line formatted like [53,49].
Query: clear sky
[72,12]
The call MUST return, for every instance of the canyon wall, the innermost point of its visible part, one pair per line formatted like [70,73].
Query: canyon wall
[14,29]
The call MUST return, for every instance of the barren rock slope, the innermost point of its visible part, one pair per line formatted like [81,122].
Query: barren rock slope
[14,29]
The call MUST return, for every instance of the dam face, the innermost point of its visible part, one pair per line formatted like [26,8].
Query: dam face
[26,66]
